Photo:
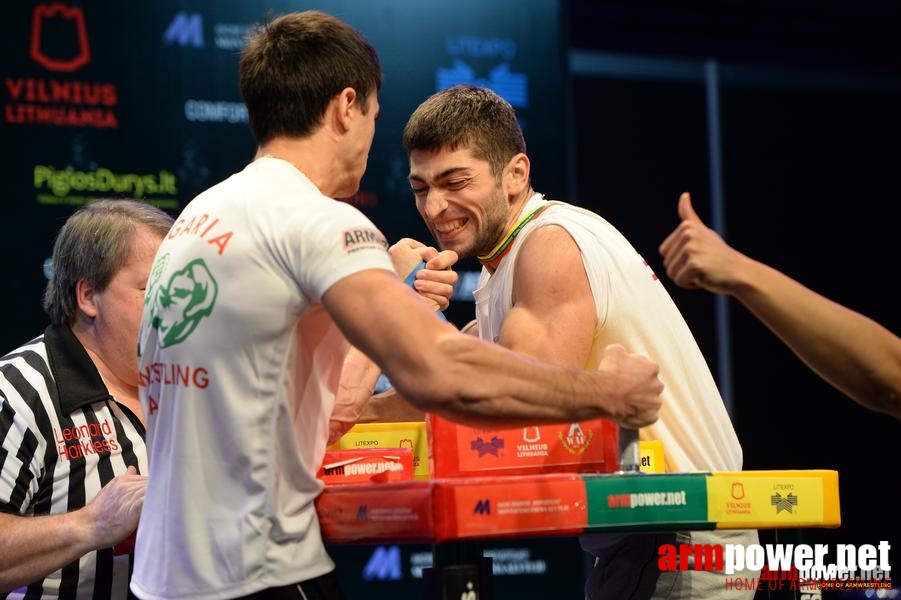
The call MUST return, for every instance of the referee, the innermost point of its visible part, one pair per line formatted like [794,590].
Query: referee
[71,426]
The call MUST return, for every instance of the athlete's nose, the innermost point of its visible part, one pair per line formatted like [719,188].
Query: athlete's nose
[434,203]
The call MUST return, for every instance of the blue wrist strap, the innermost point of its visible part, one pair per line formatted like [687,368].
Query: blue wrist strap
[412,276]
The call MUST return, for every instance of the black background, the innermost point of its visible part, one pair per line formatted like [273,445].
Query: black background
[810,134]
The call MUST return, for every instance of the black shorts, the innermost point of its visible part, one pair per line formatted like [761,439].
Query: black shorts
[325,587]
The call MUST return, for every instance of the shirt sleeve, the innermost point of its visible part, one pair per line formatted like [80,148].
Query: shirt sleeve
[337,242]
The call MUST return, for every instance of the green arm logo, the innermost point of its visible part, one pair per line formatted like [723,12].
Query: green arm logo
[154,280]
[180,306]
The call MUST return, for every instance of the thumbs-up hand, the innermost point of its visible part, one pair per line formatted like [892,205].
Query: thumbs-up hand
[695,256]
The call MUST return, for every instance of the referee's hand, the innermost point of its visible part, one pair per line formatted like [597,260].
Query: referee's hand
[113,513]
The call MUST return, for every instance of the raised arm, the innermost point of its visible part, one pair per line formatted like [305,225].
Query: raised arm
[852,352]
[354,401]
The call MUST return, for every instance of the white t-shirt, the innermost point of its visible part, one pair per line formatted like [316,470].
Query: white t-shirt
[239,364]
[633,309]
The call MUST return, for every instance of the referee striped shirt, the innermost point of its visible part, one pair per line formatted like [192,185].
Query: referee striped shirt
[62,438]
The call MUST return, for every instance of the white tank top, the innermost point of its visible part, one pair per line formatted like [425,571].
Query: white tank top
[635,310]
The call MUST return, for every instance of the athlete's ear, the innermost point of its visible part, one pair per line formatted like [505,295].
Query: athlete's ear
[345,103]
[86,298]
[516,175]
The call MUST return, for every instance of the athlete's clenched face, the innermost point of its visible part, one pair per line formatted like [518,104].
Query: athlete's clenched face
[464,206]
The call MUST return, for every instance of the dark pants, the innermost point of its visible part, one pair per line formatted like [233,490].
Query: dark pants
[629,570]
[325,587]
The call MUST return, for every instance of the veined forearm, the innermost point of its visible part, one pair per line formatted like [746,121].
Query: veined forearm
[33,547]
[503,388]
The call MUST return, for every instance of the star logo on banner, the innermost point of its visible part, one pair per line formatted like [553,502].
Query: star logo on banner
[483,447]
[786,503]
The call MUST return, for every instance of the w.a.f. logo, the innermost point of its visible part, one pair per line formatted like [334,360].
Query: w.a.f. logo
[576,441]
[59,37]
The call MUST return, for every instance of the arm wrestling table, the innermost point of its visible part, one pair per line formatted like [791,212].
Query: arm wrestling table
[456,514]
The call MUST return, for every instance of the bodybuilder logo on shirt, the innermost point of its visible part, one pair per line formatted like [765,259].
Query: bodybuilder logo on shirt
[177,307]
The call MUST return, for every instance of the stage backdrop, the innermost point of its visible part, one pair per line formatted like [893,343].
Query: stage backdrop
[141,100]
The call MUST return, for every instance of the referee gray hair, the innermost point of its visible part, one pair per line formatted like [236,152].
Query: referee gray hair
[93,244]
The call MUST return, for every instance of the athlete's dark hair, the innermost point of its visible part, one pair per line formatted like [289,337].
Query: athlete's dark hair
[293,66]
[470,116]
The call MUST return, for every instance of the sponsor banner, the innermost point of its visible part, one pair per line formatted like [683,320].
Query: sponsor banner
[554,504]
[215,111]
[647,501]
[186,29]
[390,435]
[446,509]
[522,505]
[73,187]
[495,54]
[652,456]
[774,498]
[457,450]
[376,512]
[59,95]
[371,465]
